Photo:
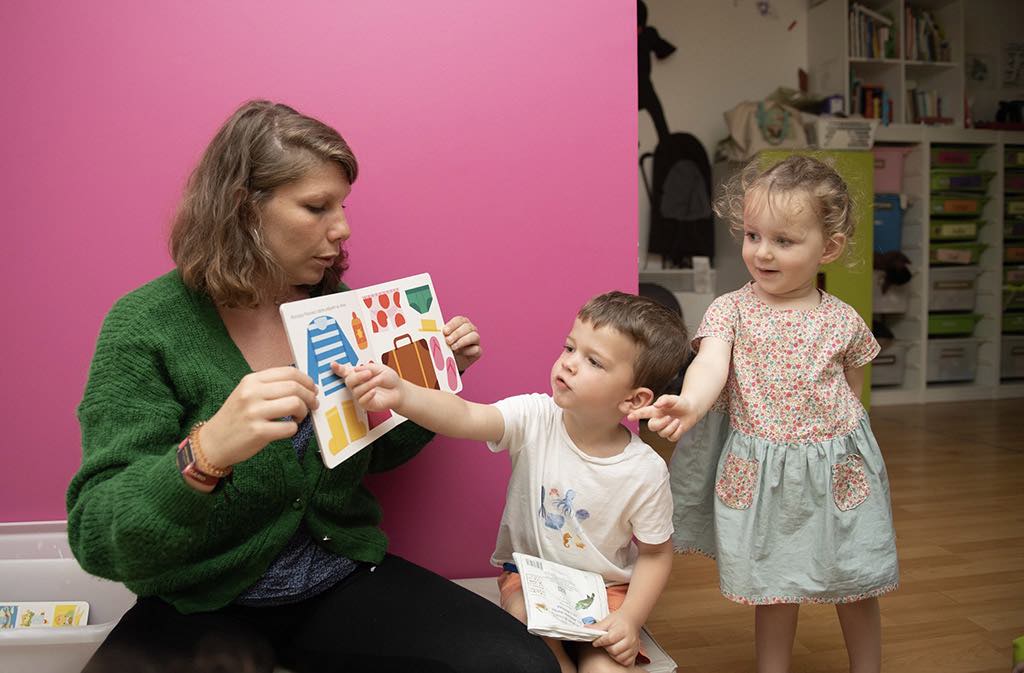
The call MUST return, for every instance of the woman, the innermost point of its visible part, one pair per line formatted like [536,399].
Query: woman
[200,488]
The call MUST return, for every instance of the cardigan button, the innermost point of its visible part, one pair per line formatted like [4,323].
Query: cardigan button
[297,504]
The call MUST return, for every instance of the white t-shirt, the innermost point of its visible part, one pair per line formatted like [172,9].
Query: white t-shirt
[566,506]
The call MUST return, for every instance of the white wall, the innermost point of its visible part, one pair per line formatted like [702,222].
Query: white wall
[990,24]
[726,53]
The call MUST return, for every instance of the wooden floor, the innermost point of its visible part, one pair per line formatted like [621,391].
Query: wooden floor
[957,477]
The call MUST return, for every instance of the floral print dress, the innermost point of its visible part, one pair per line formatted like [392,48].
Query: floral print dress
[783,482]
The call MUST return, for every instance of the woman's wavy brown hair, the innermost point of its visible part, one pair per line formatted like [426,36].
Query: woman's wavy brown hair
[216,239]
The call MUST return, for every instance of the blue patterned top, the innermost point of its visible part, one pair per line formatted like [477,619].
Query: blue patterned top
[303,568]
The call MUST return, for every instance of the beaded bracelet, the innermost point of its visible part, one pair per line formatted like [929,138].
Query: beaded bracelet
[204,465]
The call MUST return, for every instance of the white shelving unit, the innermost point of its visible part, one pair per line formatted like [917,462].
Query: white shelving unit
[911,328]
[832,67]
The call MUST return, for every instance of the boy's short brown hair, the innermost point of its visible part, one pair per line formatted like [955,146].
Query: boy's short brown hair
[659,334]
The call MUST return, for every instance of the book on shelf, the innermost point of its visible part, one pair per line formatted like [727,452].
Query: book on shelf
[871,101]
[871,33]
[925,39]
[925,106]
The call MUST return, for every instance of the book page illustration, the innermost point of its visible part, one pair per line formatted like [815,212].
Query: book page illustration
[397,324]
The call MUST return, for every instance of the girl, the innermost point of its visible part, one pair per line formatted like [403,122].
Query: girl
[783,481]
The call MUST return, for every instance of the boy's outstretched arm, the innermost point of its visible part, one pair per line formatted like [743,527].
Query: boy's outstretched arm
[376,387]
[672,415]
[653,566]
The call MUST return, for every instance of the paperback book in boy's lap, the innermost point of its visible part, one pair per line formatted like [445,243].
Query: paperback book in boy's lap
[397,323]
[561,602]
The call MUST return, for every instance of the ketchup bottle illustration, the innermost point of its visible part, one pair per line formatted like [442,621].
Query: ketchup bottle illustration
[357,328]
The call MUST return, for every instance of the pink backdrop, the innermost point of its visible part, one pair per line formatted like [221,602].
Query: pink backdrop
[497,144]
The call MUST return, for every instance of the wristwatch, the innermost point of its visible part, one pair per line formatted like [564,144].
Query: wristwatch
[188,466]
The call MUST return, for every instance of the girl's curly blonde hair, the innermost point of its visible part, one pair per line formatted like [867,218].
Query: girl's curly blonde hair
[823,189]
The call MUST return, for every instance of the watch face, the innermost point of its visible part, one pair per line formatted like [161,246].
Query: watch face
[187,465]
[185,457]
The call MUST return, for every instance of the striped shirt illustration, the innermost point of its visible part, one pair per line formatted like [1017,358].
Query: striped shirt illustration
[326,343]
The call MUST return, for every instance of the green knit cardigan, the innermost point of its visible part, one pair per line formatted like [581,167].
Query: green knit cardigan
[164,361]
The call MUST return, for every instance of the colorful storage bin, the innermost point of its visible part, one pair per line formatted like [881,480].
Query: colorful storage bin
[1014,157]
[888,222]
[954,180]
[1012,358]
[956,157]
[955,253]
[952,324]
[1013,229]
[952,360]
[1015,206]
[889,168]
[953,288]
[1013,323]
[959,203]
[1013,182]
[954,230]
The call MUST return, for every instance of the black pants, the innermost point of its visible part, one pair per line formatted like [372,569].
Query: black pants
[395,617]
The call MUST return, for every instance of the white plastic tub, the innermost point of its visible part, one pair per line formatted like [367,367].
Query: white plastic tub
[1012,365]
[895,299]
[36,565]
[889,366]
[952,360]
[953,288]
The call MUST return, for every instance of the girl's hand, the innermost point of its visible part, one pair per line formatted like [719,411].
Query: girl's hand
[374,387]
[622,641]
[462,337]
[670,416]
[250,417]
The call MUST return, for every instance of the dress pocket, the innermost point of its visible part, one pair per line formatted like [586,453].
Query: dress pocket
[849,483]
[735,488]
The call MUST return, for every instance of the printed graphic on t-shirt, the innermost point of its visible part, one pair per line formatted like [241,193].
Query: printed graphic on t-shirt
[562,517]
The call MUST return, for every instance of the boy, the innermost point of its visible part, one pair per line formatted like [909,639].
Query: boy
[584,491]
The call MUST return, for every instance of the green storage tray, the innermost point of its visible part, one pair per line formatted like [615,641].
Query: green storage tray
[955,253]
[1015,206]
[958,203]
[1014,157]
[963,179]
[1013,323]
[952,324]
[954,230]
[1013,297]
[956,156]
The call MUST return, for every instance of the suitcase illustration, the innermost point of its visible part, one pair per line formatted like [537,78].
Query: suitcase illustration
[412,362]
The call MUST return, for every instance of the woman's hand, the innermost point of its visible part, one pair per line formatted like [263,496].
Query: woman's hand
[250,418]
[670,416]
[464,340]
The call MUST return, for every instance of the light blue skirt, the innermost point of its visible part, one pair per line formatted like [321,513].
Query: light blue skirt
[787,523]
